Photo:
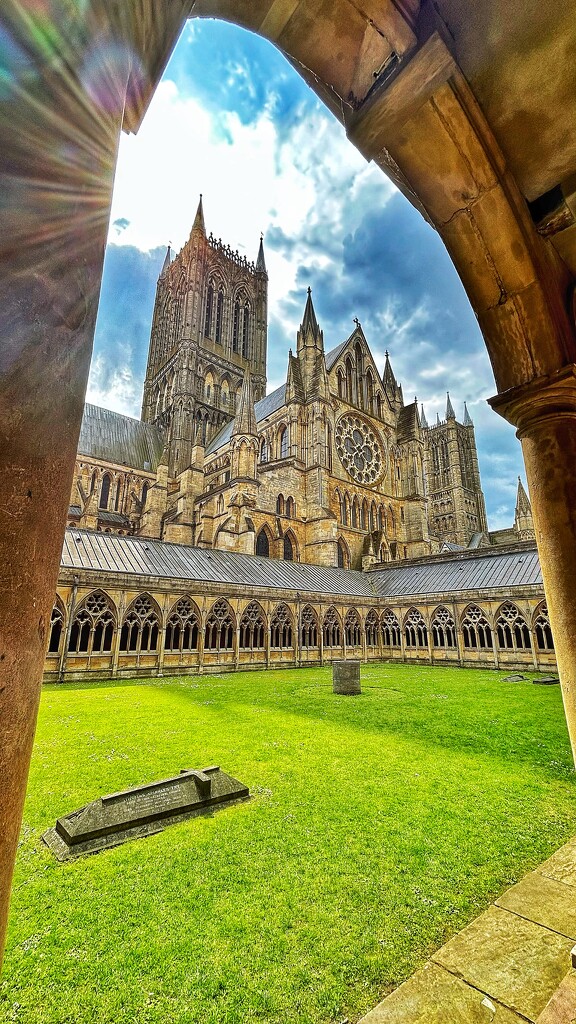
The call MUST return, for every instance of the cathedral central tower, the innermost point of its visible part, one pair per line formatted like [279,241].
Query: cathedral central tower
[209,326]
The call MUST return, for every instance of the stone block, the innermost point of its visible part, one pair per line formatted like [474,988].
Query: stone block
[544,901]
[346,677]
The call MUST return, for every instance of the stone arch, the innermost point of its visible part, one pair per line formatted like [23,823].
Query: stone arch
[252,627]
[182,626]
[290,547]
[220,627]
[93,625]
[308,627]
[332,628]
[141,626]
[511,628]
[476,629]
[352,628]
[443,628]
[57,624]
[343,554]
[541,628]
[263,542]
[281,627]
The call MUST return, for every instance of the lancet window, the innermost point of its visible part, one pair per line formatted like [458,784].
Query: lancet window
[246,331]
[183,626]
[263,544]
[288,547]
[219,314]
[56,627]
[93,626]
[281,627]
[252,628]
[141,626]
[331,629]
[105,491]
[390,628]
[415,630]
[308,627]
[343,555]
[476,631]
[511,629]
[283,443]
[208,310]
[219,635]
[372,628]
[443,628]
[352,628]
[236,327]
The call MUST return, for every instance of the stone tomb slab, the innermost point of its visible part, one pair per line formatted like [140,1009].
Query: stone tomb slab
[141,811]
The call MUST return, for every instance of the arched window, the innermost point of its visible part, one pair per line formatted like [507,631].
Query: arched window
[280,504]
[390,628]
[331,629]
[379,405]
[263,450]
[544,641]
[140,627]
[352,628]
[219,314]
[341,384]
[476,631]
[225,394]
[252,628]
[118,494]
[219,635]
[364,515]
[288,548]
[105,491]
[349,385]
[355,512]
[208,310]
[511,629]
[308,627]
[343,555]
[263,544]
[281,627]
[443,628]
[144,493]
[283,443]
[246,331]
[236,327]
[290,508]
[182,628]
[220,504]
[56,627]
[415,630]
[93,626]
[373,517]
[372,628]
[208,386]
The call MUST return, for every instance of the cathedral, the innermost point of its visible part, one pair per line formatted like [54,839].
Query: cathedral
[332,468]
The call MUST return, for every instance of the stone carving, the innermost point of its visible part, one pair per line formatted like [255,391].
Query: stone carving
[359,450]
[141,811]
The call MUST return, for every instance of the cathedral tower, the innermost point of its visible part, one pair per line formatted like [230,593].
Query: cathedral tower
[457,509]
[209,326]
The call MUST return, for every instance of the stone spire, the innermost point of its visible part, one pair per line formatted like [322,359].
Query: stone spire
[388,376]
[468,419]
[450,414]
[522,500]
[167,262]
[523,522]
[260,262]
[309,322]
[198,224]
[423,420]
[245,420]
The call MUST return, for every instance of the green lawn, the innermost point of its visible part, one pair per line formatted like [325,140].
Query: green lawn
[379,825]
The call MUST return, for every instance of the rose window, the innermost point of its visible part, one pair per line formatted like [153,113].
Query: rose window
[359,450]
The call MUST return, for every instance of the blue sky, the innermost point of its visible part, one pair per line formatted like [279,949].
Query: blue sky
[233,120]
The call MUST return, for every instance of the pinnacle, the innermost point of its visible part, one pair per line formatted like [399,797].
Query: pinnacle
[309,321]
[245,420]
[260,261]
[450,414]
[198,224]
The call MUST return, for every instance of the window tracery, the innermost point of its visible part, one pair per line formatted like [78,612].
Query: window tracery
[512,629]
[352,628]
[542,630]
[281,625]
[331,629]
[443,628]
[141,627]
[183,626]
[93,626]
[476,630]
[415,631]
[252,628]
[219,633]
[308,627]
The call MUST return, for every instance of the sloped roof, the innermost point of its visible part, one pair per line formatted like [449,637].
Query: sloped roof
[265,407]
[112,437]
[333,354]
[140,556]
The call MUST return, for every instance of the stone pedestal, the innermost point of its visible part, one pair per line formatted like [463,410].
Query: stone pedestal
[346,677]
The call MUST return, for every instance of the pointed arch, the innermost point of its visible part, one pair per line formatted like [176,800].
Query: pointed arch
[542,630]
[332,628]
[281,627]
[246,330]
[208,309]
[443,628]
[415,629]
[290,547]
[352,628]
[512,629]
[290,507]
[264,453]
[283,442]
[252,628]
[182,626]
[280,505]
[220,627]
[390,629]
[57,620]
[343,554]
[476,630]
[355,517]
[263,539]
[105,491]
[308,628]
[371,628]
[219,314]
[93,626]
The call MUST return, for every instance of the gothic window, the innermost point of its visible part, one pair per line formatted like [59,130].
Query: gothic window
[281,628]
[331,629]
[355,513]
[220,504]
[372,628]
[349,384]
[264,450]
[443,629]
[476,631]
[415,630]
[373,517]
[280,504]
[56,627]
[544,641]
[341,507]
[329,446]
[289,547]
[352,629]
[308,627]
[341,384]
[263,544]
[140,627]
[236,327]
[392,519]
[208,386]
[182,628]
[246,331]
[370,392]
[390,629]
[208,310]
[290,508]
[118,493]
[364,515]
[105,491]
[252,628]
[219,315]
[359,375]
[93,481]
[283,443]
[219,635]
[93,626]
[144,493]
[225,394]
[343,556]
[511,629]
[382,517]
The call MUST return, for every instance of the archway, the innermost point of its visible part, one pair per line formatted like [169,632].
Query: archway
[394,82]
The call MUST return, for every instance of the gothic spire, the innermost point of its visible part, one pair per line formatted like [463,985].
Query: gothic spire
[309,321]
[388,377]
[198,224]
[450,414]
[245,420]
[467,418]
[522,499]
[260,262]
[167,262]
[423,420]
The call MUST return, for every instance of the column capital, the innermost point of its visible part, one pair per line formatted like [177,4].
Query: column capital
[548,397]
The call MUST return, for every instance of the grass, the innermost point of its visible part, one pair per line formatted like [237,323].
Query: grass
[380,825]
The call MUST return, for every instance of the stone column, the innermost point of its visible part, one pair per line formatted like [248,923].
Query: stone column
[545,413]
[59,134]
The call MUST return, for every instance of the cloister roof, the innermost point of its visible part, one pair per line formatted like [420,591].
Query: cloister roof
[139,556]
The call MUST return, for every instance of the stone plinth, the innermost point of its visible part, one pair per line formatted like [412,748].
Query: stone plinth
[135,813]
[346,677]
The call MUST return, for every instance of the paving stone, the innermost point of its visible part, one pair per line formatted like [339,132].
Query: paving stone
[520,964]
[562,1007]
[433,996]
[544,901]
[562,864]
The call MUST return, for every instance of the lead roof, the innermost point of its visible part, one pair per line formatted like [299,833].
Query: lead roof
[112,437]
